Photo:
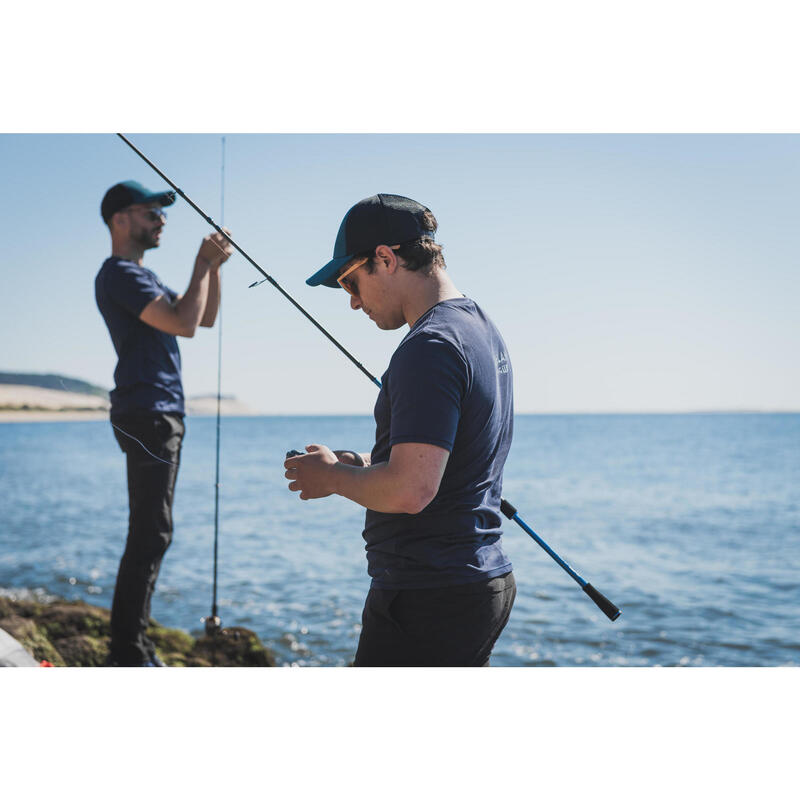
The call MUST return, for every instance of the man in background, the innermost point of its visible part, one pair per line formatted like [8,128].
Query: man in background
[442,587]
[144,317]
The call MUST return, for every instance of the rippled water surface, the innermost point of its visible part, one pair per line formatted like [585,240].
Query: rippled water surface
[689,523]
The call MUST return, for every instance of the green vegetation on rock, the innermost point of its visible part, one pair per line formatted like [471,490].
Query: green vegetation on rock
[76,634]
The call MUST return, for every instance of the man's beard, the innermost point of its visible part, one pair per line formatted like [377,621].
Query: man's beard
[147,239]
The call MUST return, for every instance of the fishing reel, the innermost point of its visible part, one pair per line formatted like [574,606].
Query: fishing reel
[293,453]
[213,625]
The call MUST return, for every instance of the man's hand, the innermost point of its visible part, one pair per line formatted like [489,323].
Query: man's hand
[352,459]
[312,474]
[405,484]
[215,250]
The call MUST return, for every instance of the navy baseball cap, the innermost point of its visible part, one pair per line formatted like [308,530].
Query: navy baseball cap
[381,219]
[130,193]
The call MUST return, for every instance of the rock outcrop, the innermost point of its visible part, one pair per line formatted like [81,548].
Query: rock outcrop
[76,634]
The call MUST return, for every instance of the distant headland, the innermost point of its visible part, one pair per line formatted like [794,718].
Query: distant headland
[32,397]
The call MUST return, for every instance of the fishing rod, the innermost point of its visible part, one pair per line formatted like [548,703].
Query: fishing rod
[213,622]
[266,277]
[602,602]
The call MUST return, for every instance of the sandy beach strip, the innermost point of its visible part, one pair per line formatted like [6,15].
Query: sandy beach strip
[33,404]
[20,403]
[51,416]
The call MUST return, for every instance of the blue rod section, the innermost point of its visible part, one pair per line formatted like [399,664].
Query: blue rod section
[550,552]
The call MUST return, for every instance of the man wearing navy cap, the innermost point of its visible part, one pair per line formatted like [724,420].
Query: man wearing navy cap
[442,587]
[144,317]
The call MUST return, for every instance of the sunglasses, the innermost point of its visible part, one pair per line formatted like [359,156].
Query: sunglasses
[151,214]
[348,284]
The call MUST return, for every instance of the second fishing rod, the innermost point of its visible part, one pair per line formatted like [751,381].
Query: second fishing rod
[602,602]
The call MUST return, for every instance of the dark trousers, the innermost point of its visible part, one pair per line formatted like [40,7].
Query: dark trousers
[151,486]
[455,626]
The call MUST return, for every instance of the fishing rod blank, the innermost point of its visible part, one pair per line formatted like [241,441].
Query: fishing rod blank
[233,243]
[605,605]
[214,623]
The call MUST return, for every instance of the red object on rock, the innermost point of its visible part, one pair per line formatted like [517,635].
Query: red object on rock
[45,663]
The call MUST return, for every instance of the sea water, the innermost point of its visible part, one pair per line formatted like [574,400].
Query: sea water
[689,523]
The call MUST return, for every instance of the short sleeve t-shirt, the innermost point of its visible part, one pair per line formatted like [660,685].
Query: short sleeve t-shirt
[148,374]
[449,384]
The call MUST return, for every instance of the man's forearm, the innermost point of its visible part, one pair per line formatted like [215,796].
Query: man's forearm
[377,488]
[212,299]
[405,484]
[192,305]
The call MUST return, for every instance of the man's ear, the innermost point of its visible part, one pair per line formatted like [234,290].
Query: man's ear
[117,220]
[387,257]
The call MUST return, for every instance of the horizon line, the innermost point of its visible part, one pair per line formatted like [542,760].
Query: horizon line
[533,413]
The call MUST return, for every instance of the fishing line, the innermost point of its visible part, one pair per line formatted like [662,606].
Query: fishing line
[602,602]
[125,433]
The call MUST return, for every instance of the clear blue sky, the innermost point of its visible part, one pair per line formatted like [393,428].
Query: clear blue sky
[626,272]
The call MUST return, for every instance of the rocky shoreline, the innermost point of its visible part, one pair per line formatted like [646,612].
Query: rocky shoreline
[76,634]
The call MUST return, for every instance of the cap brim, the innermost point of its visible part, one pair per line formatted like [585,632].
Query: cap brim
[327,275]
[162,198]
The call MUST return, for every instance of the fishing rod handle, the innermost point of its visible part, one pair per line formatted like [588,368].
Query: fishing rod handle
[507,509]
[602,602]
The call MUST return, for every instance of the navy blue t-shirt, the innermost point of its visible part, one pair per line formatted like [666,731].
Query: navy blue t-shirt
[449,384]
[148,373]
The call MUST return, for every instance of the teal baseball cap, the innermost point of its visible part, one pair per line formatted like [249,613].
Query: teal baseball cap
[130,193]
[381,219]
